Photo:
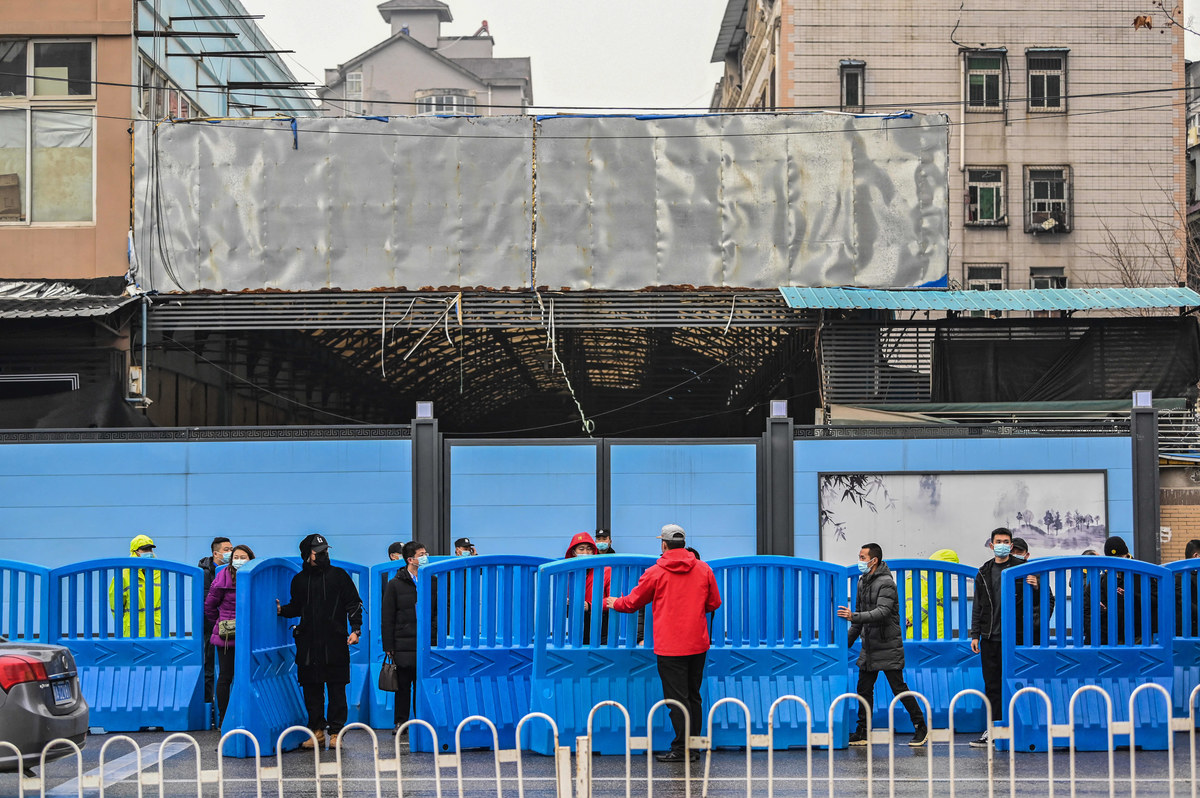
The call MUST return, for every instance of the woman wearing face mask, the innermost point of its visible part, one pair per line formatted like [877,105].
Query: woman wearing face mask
[220,605]
[582,545]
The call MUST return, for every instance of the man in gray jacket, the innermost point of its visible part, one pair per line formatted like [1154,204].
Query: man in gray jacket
[876,619]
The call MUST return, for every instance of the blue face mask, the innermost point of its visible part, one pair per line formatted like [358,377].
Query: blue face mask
[1002,550]
[600,544]
[423,560]
[863,567]
[236,564]
[149,554]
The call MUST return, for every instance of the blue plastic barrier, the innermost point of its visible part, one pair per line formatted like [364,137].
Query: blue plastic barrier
[938,662]
[776,633]
[24,602]
[583,657]
[482,660]
[379,703]
[266,698]
[1185,654]
[361,685]
[135,627]
[1115,633]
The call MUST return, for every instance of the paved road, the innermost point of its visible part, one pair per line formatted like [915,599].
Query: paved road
[726,778]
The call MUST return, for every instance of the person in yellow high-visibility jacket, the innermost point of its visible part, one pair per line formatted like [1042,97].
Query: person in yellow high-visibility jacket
[129,603]
[922,594]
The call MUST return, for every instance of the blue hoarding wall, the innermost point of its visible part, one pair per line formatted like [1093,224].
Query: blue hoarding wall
[814,457]
[710,489]
[86,500]
[522,499]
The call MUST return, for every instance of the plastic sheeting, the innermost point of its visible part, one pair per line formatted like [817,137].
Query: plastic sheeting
[622,203]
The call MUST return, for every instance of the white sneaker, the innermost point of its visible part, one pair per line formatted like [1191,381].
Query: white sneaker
[982,742]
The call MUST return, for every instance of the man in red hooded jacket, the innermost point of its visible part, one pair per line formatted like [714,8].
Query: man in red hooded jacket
[683,591]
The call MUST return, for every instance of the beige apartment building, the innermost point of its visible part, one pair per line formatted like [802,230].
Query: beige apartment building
[1067,146]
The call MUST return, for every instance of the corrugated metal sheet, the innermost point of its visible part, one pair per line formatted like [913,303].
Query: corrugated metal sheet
[730,201]
[1027,300]
[42,308]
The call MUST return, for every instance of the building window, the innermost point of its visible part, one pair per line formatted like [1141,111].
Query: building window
[985,277]
[985,86]
[448,104]
[160,98]
[1047,81]
[1047,199]
[853,74]
[47,131]
[354,93]
[985,197]
[1047,277]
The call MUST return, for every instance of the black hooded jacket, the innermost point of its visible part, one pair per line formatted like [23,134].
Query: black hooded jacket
[985,610]
[327,602]
[877,620]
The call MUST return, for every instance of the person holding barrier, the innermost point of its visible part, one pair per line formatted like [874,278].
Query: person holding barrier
[682,590]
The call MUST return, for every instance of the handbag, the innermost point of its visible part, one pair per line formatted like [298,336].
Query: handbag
[388,681]
[227,628]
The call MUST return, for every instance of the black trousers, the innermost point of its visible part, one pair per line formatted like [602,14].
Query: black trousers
[895,679]
[993,675]
[314,702]
[224,679]
[681,678]
[405,695]
[209,659]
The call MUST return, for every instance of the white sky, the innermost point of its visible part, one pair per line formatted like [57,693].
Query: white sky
[626,54]
[619,54]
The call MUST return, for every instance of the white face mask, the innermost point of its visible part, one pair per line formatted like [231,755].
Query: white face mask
[238,562]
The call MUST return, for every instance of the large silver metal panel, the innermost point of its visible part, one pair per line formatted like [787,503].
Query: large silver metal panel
[354,204]
[745,201]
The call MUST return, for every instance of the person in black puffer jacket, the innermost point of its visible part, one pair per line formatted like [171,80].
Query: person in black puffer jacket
[876,620]
[327,602]
[398,627]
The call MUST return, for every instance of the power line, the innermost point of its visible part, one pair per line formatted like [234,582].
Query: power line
[631,110]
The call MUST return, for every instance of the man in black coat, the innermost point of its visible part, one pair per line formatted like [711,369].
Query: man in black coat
[398,627]
[876,619]
[987,626]
[221,549]
[327,602]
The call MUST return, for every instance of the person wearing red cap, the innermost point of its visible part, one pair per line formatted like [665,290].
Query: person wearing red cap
[683,590]
[582,545]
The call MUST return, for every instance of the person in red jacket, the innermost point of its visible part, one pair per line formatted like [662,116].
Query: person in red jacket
[582,545]
[683,591]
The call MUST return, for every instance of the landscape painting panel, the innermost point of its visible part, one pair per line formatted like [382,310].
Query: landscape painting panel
[914,515]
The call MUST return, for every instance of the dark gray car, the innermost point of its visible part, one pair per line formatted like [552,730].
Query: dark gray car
[40,701]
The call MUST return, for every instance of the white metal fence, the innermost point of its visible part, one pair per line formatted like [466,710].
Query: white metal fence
[328,776]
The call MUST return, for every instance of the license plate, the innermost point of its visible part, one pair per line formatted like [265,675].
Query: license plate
[62,692]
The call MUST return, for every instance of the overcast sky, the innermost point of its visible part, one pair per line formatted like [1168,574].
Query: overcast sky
[615,53]
[619,54]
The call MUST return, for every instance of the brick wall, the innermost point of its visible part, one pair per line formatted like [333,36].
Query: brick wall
[1181,513]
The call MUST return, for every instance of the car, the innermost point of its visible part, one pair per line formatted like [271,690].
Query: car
[40,701]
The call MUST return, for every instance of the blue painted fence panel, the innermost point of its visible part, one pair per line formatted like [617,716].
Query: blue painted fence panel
[266,698]
[24,602]
[935,614]
[582,657]
[1185,658]
[360,688]
[475,648]
[776,633]
[1116,633]
[136,629]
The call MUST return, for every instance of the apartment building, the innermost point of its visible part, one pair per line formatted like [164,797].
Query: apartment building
[73,78]
[1067,123]
[420,70]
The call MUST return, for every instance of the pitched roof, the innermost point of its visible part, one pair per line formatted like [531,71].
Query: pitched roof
[497,68]
[386,8]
